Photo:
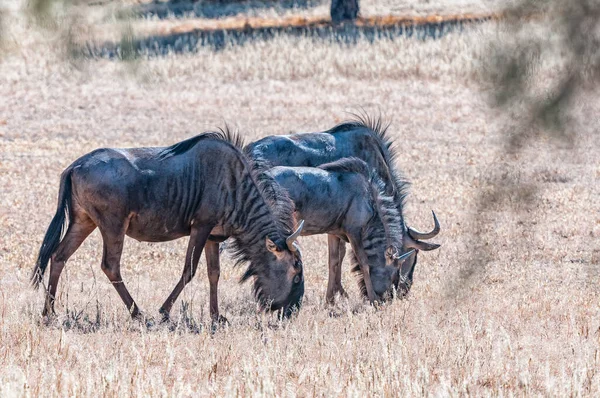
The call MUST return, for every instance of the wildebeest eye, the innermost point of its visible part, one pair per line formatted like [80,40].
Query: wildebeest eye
[297,279]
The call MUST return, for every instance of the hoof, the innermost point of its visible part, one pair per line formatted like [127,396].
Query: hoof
[150,323]
[165,318]
[144,321]
[219,322]
[48,311]
[330,300]
[47,319]
[377,304]
[48,316]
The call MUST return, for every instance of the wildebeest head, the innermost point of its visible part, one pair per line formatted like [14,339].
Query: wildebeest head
[278,274]
[387,278]
[405,259]
[384,270]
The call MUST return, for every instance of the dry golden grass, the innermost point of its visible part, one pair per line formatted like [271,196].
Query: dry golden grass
[519,316]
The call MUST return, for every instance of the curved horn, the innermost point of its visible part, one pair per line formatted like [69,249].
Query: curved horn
[290,240]
[426,235]
[416,244]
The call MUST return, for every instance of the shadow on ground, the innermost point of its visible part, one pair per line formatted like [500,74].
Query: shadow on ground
[216,8]
[345,34]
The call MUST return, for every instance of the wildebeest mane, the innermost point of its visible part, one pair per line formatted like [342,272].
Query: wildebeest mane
[386,223]
[385,227]
[389,152]
[347,165]
[243,250]
[360,278]
[383,203]
[281,207]
[222,134]
[379,127]
[278,200]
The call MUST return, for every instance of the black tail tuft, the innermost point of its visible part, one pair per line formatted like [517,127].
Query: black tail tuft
[55,230]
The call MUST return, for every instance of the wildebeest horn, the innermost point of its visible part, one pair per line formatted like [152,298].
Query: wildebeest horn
[417,244]
[416,235]
[404,256]
[290,240]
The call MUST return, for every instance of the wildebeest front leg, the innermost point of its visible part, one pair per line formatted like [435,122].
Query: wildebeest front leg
[198,238]
[361,256]
[338,276]
[337,250]
[213,268]
[111,265]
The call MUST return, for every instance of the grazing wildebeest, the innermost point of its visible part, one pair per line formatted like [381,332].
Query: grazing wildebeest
[347,200]
[366,139]
[199,186]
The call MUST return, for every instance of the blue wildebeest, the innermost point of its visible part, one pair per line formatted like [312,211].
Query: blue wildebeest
[199,187]
[346,200]
[366,139]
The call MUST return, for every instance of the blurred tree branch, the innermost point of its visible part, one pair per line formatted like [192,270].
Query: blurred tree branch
[545,56]
[569,31]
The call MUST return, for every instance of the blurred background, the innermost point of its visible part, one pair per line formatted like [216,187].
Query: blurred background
[493,110]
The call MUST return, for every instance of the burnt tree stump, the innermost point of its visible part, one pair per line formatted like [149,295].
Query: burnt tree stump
[344,10]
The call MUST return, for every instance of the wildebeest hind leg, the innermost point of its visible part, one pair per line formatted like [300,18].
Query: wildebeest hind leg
[80,229]
[198,238]
[111,265]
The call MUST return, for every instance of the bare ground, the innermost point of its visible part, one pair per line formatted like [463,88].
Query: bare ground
[508,306]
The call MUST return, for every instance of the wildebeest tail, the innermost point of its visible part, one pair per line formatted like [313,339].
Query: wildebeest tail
[55,230]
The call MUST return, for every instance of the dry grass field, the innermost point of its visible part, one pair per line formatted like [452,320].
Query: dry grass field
[508,306]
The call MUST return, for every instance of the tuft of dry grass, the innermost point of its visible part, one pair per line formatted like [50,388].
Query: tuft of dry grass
[518,316]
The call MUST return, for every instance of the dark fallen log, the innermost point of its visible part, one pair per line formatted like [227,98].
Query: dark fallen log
[219,34]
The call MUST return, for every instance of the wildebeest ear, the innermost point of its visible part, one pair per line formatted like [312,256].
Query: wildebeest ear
[271,246]
[391,253]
